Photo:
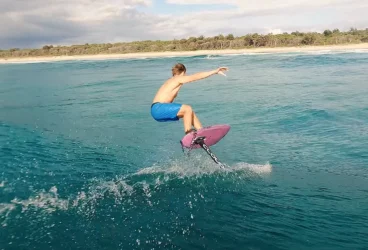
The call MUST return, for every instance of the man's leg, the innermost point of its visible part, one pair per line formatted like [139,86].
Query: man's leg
[196,123]
[186,113]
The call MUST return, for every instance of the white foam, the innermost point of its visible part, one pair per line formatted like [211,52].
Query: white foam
[26,62]
[5,210]
[232,54]
[211,57]
[84,202]
[360,50]
[46,201]
[287,53]
[196,167]
[2,184]
[199,166]
[332,52]
[258,169]
[308,52]
[121,189]
[261,53]
[318,52]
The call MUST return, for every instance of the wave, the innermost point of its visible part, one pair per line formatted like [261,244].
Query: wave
[26,62]
[218,55]
[322,52]
[200,167]
[287,53]
[126,189]
[208,56]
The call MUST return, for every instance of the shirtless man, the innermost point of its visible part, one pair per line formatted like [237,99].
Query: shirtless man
[163,109]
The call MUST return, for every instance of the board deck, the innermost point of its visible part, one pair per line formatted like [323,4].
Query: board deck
[213,134]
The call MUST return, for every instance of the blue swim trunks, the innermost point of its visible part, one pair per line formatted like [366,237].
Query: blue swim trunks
[163,112]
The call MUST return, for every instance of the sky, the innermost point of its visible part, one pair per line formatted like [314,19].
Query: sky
[35,23]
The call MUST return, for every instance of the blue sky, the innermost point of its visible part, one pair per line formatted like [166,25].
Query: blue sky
[67,22]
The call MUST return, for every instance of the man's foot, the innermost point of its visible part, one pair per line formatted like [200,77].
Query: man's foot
[191,130]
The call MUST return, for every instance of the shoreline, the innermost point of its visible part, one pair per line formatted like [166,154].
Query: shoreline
[142,55]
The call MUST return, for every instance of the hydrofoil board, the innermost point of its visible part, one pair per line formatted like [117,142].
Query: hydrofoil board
[205,137]
[212,135]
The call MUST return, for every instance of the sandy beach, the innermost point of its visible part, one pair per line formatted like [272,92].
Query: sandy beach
[185,53]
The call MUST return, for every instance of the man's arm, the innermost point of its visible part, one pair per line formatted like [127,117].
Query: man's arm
[200,75]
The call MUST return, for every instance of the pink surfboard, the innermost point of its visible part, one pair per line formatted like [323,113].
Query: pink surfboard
[213,134]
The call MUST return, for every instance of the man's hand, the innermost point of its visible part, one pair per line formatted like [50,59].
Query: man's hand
[221,70]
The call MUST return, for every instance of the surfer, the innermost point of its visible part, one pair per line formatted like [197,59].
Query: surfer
[164,109]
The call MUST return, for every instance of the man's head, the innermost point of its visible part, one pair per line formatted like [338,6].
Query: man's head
[178,69]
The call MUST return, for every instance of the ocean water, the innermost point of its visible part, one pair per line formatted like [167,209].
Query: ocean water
[84,165]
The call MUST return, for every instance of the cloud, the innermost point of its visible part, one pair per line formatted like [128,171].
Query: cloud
[69,22]
[69,9]
[192,2]
[274,31]
[264,16]
[252,5]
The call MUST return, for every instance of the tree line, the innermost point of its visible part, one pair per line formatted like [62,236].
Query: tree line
[255,40]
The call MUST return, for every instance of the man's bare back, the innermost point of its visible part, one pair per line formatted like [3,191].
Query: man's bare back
[168,91]
[163,108]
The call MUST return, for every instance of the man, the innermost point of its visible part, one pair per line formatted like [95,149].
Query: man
[163,109]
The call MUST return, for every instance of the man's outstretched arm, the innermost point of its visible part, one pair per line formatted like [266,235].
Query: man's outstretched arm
[201,75]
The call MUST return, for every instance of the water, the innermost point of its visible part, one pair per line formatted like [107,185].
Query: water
[84,166]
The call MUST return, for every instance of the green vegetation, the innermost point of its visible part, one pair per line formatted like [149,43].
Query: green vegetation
[219,42]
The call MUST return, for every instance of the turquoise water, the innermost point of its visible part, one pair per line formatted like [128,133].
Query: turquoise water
[84,166]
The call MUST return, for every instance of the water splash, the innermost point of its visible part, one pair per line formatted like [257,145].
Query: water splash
[255,168]
[143,184]
[199,166]
[45,201]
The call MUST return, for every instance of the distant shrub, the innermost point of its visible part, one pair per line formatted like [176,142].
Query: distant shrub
[218,42]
